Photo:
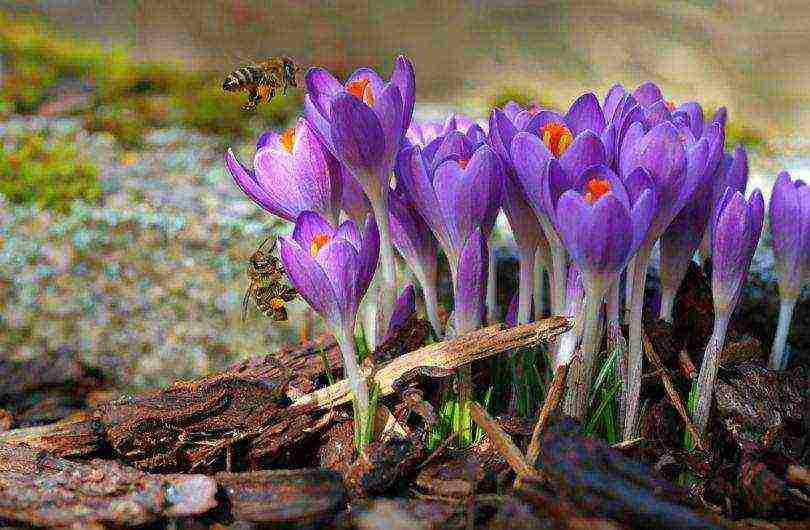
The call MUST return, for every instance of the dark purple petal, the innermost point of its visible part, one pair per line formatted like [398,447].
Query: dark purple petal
[348,231]
[720,117]
[606,237]
[354,200]
[585,115]
[637,182]
[320,123]
[404,307]
[339,261]
[269,139]
[309,225]
[521,217]
[610,140]
[412,238]
[275,173]
[368,258]
[511,109]
[483,180]
[501,133]
[454,146]
[642,214]
[572,214]
[784,212]
[586,151]
[321,87]
[541,119]
[731,240]
[388,107]
[662,154]
[737,175]
[511,313]
[627,155]
[602,172]
[357,135]
[612,100]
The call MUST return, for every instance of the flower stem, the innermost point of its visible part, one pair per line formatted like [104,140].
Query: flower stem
[539,295]
[777,359]
[493,311]
[558,273]
[667,303]
[616,342]
[387,293]
[357,382]
[708,372]
[635,345]
[525,286]
[628,286]
[432,307]
[581,369]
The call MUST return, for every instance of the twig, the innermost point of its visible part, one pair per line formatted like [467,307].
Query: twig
[451,354]
[627,444]
[439,450]
[501,441]
[672,393]
[553,398]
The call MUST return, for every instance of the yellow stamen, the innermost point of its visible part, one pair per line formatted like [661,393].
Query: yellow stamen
[557,137]
[277,303]
[463,163]
[670,105]
[597,188]
[317,244]
[361,89]
[288,139]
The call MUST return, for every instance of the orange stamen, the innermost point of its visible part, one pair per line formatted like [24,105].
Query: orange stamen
[317,244]
[277,303]
[596,189]
[670,105]
[288,139]
[463,163]
[361,89]
[557,137]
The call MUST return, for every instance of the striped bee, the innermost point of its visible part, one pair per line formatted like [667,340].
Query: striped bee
[261,80]
[267,287]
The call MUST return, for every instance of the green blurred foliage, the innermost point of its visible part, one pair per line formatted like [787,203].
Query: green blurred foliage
[523,96]
[129,96]
[49,173]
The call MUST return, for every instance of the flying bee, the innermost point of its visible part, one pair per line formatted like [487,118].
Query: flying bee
[266,275]
[261,80]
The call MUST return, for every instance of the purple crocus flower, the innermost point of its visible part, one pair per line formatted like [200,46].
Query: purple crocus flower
[353,199]
[737,227]
[789,215]
[660,161]
[418,247]
[455,198]
[733,173]
[602,230]
[470,283]
[422,133]
[364,122]
[332,269]
[294,172]
[683,236]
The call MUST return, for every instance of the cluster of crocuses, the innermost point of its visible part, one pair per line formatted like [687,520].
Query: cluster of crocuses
[587,194]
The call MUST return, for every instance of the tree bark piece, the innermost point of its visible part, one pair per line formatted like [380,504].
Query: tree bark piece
[42,490]
[553,398]
[75,436]
[480,344]
[501,441]
[284,496]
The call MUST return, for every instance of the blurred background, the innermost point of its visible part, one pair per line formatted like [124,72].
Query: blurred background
[122,237]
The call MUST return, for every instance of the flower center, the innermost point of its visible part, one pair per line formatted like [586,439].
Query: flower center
[596,188]
[361,89]
[463,163]
[317,244]
[277,303]
[670,105]
[557,137]
[288,139]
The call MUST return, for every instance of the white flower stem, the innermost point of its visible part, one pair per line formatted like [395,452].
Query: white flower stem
[493,311]
[616,342]
[708,373]
[580,372]
[432,307]
[635,345]
[357,382]
[667,303]
[525,286]
[558,273]
[777,359]
[628,286]
[387,294]
[539,294]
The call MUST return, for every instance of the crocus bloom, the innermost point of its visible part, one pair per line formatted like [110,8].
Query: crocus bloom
[364,122]
[332,269]
[790,227]
[601,230]
[403,309]
[683,236]
[470,283]
[418,247]
[734,175]
[353,199]
[294,172]
[737,227]
[422,133]
[660,161]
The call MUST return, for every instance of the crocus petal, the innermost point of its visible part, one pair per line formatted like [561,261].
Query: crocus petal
[318,173]
[357,136]
[585,114]
[309,279]
[417,181]
[522,220]
[404,307]
[613,98]
[339,260]
[369,256]
[501,133]
[319,122]
[695,112]
[348,231]
[388,107]
[275,173]
[541,119]
[269,139]
[412,238]
[322,86]
[627,156]
[246,181]
[658,113]
[531,158]
[662,154]
[603,172]
[637,182]
[511,109]
[647,94]
[642,214]
[403,77]
[737,175]
[470,286]
[309,225]
[572,211]
[720,117]
[454,146]
[586,151]
[483,181]
[784,211]
[354,200]
[374,80]
[605,237]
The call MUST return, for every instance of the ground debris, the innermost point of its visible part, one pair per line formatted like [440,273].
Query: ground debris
[284,496]
[45,491]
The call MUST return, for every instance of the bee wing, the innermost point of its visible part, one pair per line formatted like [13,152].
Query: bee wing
[246,299]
